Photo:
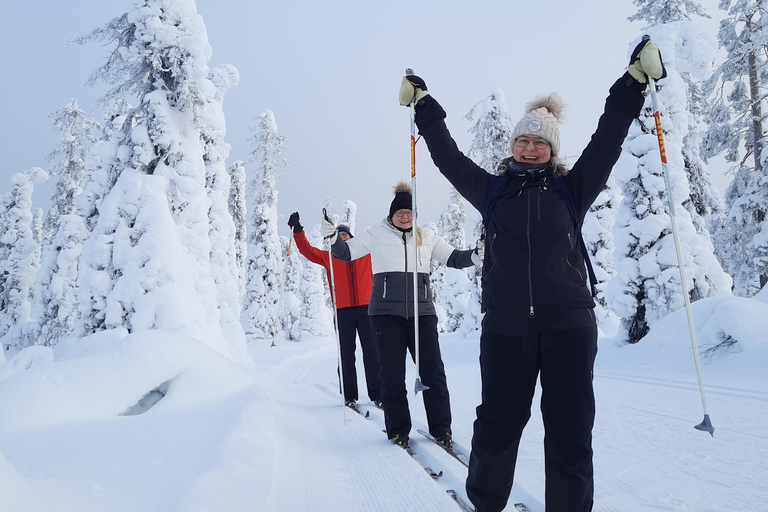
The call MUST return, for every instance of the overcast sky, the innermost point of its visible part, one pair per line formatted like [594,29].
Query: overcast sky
[330,71]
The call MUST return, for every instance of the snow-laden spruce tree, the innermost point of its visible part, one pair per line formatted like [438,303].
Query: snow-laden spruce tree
[239,211]
[737,128]
[647,285]
[491,138]
[55,308]
[350,215]
[452,302]
[20,233]
[704,203]
[598,238]
[261,316]
[292,297]
[209,121]
[147,262]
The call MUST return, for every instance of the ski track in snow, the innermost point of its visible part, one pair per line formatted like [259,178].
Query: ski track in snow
[352,466]
[648,457]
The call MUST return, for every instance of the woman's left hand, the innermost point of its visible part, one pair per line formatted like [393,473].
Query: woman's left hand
[479,253]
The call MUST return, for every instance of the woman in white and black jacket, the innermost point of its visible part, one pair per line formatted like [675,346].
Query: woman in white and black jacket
[391,311]
[539,321]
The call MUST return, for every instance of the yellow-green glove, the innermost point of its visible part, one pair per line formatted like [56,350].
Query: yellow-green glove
[646,61]
[412,89]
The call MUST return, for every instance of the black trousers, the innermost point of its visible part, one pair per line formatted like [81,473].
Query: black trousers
[394,336]
[353,322]
[515,348]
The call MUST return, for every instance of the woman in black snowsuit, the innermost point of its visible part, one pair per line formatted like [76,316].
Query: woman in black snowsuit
[539,319]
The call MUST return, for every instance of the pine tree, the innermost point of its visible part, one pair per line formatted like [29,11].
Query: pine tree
[63,234]
[261,305]
[738,90]
[451,227]
[19,256]
[648,286]
[209,121]
[598,238]
[350,215]
[239,212]
[292,296]
[147,262]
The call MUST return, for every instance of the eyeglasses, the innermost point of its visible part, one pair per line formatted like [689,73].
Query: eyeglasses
[403,213]
[537,143]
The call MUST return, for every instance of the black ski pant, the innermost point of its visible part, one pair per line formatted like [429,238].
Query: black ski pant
[353,322]
[394,336]
[559,347]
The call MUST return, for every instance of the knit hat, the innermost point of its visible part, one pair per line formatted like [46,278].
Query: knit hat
[343,228]
[402,200]
[541,119]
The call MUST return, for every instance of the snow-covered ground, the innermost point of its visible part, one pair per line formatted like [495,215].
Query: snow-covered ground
[273,436]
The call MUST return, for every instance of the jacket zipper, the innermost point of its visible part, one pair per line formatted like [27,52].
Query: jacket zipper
[530,257]
[405,274]
[350,277]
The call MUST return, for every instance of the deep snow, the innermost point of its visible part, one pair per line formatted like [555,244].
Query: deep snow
[273,436]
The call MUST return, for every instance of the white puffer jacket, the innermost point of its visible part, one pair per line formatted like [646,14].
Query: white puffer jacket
[391,263]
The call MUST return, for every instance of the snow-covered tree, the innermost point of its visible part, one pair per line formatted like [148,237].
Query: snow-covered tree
[647,285]
[350,215]
[261,305]
[491,131]
[736,122]
[704,203]
[19,256]
[78,134]
[292,297]
[238,211]
[209,121]
[596,231]
[452,302]
[147,262]
[55,309]
[658,12]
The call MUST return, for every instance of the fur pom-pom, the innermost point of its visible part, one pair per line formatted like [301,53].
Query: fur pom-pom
[552,102]
[402,186]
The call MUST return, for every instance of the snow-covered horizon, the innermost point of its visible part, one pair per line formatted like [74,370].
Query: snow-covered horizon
[158,421]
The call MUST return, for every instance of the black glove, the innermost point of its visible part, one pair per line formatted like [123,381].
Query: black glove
[293,222]
[412,89]
[646,61]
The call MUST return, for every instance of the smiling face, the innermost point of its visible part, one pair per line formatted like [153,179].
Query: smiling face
[530,149]
[403,219]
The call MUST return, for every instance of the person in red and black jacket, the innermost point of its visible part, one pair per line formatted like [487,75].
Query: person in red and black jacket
[352,283]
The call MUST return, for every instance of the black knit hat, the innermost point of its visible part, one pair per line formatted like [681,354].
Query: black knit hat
[402,200]
[343,228]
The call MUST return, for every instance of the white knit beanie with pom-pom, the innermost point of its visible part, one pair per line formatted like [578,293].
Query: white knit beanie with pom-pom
[541,119]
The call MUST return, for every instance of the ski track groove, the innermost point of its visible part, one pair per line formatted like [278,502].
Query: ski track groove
[353,474]
[627,446]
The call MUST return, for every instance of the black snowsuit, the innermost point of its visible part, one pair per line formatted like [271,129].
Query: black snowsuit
[539,310]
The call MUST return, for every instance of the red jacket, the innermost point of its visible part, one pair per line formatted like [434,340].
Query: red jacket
[352,279]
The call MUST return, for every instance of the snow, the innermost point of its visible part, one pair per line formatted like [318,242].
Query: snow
[271,435]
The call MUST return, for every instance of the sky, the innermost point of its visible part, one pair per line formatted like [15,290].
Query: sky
[159,422]
[330,72]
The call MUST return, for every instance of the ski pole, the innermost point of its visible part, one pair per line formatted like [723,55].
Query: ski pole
[706,424]
[336,321]
[414,237]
